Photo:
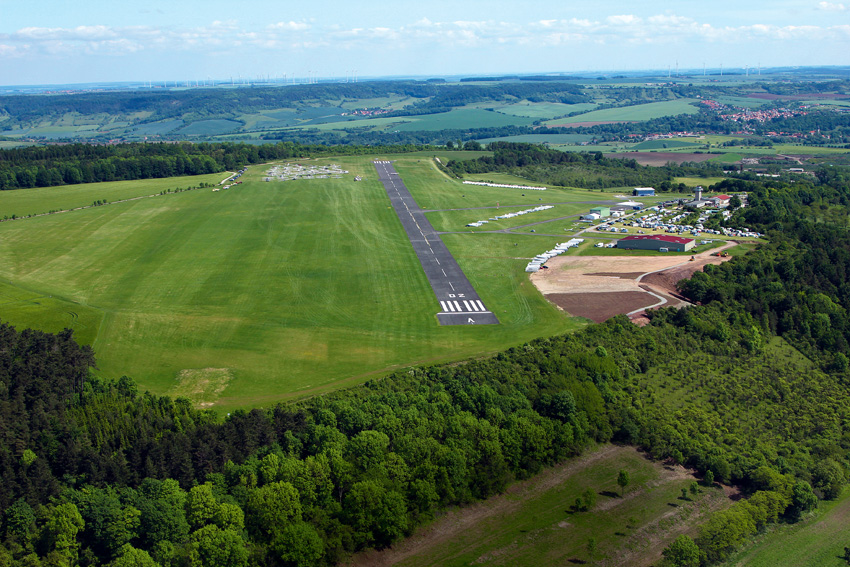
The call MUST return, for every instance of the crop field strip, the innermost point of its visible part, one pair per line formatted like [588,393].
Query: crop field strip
[450,284]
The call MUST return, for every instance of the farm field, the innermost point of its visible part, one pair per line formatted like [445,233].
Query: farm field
[262,292]
[544,110]
[705,182]
[534,522]
[818,540]
[636,112]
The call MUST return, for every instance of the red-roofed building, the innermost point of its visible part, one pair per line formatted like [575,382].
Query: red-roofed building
[659,242]
[721,200]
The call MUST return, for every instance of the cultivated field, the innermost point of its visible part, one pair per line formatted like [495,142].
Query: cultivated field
[264,291]
[636,112]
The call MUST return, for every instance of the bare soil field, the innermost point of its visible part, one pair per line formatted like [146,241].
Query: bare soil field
[661,158]
[599,287]
[589,306]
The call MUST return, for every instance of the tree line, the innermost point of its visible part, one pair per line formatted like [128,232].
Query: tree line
[49,166]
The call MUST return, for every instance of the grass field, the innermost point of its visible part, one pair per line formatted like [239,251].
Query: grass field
[694,181]
[534,522]
[544,110]
[275,290]
[636,112]
[23,202]
[817,540]
[462,118]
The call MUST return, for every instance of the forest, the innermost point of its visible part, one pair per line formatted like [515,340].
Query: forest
[592,170]
[98,473]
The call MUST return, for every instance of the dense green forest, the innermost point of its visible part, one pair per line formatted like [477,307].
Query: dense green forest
[97,473]
[591,170]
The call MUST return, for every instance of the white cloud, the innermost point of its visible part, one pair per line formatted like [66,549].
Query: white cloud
[420,35]
[830,7]
[623,20]
[290,26]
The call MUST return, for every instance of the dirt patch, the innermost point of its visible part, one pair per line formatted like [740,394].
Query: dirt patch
[202,386]
[661,158]
[599,287]
[622,276]
[599,307]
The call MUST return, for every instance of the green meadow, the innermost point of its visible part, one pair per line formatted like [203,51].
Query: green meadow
[24,202]
[646,111]
[535,522]
[262,292]
[817,540]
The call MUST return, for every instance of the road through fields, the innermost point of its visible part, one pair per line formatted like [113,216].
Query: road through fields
[458,300]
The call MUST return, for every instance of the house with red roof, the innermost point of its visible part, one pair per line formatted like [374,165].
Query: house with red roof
[658,242]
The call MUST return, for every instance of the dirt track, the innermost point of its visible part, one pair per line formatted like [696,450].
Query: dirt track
[604,286]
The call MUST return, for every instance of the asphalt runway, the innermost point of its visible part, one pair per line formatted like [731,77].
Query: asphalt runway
[459,303]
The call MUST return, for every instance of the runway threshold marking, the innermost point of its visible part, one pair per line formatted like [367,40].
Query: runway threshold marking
[459,302]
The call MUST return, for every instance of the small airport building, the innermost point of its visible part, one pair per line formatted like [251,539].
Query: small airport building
[644,192]
[601,211]
[657,242]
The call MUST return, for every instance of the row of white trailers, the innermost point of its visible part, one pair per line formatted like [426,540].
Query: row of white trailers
[540,259]
[512,215]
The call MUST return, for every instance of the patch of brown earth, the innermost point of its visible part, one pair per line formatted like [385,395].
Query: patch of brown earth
[621,275]
[599,307]
[599,287]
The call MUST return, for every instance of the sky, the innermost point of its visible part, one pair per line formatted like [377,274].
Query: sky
[60,42]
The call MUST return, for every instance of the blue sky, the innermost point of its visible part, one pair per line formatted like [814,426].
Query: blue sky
[51,42]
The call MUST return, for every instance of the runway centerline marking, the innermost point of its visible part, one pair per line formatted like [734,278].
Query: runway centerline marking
[435,257]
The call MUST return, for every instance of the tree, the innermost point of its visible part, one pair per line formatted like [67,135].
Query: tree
[129,556]
[201,506]
[299,544]
[683,552]
[212,545]
[623,481]
[828,477]
[163,516]
[272,507]
[64,522]
[709,478]
[803,499]
[591,547]
[694,488]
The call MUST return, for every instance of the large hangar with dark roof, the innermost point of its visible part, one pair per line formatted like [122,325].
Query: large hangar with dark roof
[658,242]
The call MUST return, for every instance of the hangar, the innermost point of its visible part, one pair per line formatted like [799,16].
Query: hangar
[659,242]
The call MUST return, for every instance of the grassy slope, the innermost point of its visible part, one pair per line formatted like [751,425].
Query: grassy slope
[818,540]
[296,287]
[24,202]
[533,524]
